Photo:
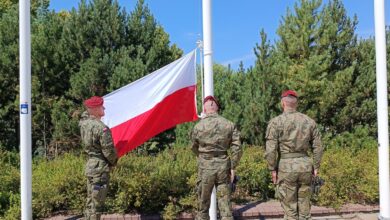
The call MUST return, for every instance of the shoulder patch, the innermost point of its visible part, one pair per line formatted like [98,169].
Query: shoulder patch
[105,129]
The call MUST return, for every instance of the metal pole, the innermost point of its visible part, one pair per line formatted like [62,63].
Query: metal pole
[382,110]
[208,51]
[208,78]
[25,109]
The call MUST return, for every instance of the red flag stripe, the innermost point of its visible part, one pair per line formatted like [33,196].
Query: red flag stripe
[179,107]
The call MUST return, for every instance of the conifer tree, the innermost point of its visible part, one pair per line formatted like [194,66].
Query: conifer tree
[260,100]
[9,69]
[318,58]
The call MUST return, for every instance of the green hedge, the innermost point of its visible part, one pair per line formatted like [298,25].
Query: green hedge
[350,169]
[255,179]
[147,184]
[165,183]
[58,184]
[350,177]
[9,185]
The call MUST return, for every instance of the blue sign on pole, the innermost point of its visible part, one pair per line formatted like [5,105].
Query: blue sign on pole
[24,108]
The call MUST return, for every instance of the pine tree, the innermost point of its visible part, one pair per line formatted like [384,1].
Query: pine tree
[260,99]
[90,38]
[228,90]
[317,54]
[152,43]
[36,5]
[9,69]
[91,50]
[46,69]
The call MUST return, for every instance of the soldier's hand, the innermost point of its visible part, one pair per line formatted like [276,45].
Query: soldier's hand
[274,176]
[232,175]
[315,172]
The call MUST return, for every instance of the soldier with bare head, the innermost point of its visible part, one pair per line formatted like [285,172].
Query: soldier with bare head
[102,156]
[289,138]
[212,137]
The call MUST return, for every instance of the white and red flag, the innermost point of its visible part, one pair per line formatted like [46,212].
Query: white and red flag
[152,104]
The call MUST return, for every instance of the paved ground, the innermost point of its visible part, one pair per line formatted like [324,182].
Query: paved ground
[267,210]
[354,216]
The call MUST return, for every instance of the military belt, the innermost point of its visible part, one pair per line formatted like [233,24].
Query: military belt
[292,155]
[214,153]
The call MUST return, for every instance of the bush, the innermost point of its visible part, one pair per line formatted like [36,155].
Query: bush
[350,169]
[14,211]
[165,183]
[10,182]
[58,185]
[255,179]
[350,177]
[147,184]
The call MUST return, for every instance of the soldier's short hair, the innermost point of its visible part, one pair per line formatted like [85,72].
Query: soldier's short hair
[290,101]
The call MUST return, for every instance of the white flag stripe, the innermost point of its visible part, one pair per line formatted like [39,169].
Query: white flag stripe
[143,94]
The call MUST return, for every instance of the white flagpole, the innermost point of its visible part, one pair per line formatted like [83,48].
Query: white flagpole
[25,109]
[382,110]
[208,78]
[208,49]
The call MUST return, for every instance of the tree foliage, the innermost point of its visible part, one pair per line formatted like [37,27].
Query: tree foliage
[8,79]
[100,47]
[91,50]
[317,54]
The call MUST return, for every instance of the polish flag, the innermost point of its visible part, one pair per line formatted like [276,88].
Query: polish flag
[152,104]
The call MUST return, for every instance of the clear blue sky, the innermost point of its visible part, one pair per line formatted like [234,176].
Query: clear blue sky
[235,24]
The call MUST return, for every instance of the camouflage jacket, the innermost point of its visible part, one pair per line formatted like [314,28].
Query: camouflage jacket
[211,139]
[293,132]
[98,145]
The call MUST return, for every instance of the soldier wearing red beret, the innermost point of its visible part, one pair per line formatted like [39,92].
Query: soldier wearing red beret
[211,139]
[94,106]
[98,145]
[289,93]
[289,138]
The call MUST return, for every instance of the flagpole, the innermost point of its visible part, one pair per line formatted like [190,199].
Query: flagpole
[25,109]
[207,49]
[208,78]
[382,110]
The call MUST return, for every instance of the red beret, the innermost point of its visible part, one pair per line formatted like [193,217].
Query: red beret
[289,92]
[94,102]
[210,97]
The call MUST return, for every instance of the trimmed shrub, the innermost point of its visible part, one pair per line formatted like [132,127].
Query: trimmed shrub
[165,183]
[350,177]
[10,184]
[255,179]
[14,211]
[58,185]
[147,184]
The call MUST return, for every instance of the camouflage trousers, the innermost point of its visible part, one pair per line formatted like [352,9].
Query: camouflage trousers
[205,184]
[97,188]
[294,193]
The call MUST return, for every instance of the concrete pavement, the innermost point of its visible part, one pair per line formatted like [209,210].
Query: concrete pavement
[270,210]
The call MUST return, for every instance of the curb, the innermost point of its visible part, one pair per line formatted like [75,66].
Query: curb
[256,210]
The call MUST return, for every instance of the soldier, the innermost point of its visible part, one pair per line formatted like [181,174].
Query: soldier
[289,137]
[211,139]
[102,156]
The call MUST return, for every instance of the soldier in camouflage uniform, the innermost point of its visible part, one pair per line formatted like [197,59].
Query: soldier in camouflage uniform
[102,156]
[289,137]
[211,139]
